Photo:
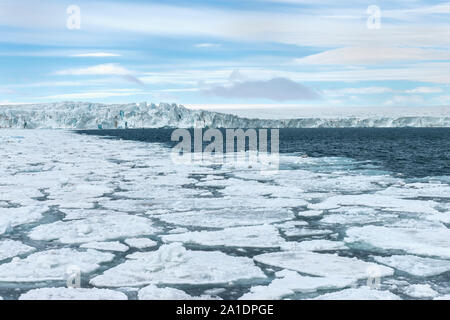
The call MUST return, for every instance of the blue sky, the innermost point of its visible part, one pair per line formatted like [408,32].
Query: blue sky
[270,53]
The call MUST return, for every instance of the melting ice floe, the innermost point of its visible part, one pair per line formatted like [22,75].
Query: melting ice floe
[10,248]
[320,264]
[289,282]
[265,236]
[106,246]
[152,292]
[95,228]
[11,217]
[427,242]
[72,294]
[173,264]
[417,266]
[141,243]
[421,291]
[51,265]
[364,293]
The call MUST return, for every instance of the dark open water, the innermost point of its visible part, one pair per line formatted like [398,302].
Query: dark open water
[412,152]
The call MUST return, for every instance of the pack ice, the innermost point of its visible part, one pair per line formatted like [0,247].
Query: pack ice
[130,219]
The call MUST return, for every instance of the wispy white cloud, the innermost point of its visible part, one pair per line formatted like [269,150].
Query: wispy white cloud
[373,55]
[405,100]
[443,100]
[96,55]
[425,90]
[101,69]
[379,90]
[431,72]
[96,94]
[207,45]
[349,91]
[278,89]
[319,26]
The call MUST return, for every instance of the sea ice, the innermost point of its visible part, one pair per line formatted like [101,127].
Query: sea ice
[126,205]
[141,243]
[356,215]
[290,282]
[427,242]
[173,264]
[106,246]
[51,264]
[416,266]
[378,201]
[265,236]
[12,217]
[72,294]
[421,291]
[314,245]
[227,217]
[418,189]
[78,214]
[310,213]
[323,265]
[95,228]
[363,293]
[443,217]
[152,292]
[305,232]
[11,248]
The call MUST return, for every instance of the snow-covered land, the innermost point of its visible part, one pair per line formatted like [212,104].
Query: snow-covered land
[80,115]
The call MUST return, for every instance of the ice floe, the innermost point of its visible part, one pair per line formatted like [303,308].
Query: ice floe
[141,243]
[310,213]
[419,189]
[305,232]
[314,245]
[227,217]
[11,248]
[106,246]
[427,242]
[12,217]
[51,264]
[356,215]
[173,264]
[153,292]
[377,201]
[443,217]
[72,294]
[364,293]
[265,236]
[421,291]
[289,282]
[94,228]
[323,265]
[416,266]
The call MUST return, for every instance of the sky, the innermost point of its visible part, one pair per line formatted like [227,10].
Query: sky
[227,53]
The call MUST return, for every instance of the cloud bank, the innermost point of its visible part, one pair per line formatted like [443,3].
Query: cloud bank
[277,89]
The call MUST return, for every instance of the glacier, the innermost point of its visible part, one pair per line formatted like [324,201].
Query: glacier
[85,115]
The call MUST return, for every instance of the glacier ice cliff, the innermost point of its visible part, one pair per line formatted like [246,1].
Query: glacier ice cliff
[82,115]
